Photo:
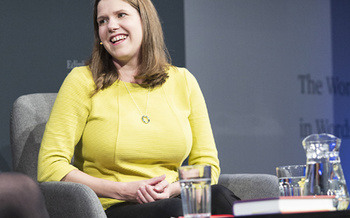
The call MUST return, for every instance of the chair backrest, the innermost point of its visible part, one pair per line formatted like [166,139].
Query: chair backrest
[27,124]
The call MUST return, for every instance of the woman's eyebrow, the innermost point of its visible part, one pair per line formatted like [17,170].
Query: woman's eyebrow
[120,11]
[115,12]
[101,17]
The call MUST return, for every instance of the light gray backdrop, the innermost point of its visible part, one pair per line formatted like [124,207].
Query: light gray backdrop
[255,60]
[266,69]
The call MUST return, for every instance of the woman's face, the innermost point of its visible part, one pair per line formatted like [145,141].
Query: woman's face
[120,30]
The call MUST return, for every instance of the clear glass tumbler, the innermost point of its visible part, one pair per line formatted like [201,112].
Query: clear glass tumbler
[195,183]
[291,179]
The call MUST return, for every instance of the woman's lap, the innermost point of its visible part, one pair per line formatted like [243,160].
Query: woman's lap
[222,200]
[163,208]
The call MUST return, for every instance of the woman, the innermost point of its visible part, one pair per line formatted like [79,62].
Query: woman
[130,119]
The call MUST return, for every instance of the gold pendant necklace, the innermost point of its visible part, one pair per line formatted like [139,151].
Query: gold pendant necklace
[145,119]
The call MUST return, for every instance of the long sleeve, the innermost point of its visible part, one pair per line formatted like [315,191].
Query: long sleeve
[65,126]
[203,147]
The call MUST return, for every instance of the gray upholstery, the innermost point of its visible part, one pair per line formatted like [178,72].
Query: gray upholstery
[251,186]
[63,199]
[28,119]
[66,199]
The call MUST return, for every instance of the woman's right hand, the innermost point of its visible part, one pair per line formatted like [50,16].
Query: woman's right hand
[127,191]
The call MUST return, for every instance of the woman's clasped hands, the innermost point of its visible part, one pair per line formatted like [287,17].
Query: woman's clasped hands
[150,190]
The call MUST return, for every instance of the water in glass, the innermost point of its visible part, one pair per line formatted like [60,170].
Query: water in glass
[196,197]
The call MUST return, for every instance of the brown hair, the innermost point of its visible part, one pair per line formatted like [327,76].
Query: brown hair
[154,56]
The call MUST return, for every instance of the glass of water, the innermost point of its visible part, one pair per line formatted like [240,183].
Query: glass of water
[195,183]
[291,179]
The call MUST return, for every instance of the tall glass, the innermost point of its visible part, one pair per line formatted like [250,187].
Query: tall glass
[195,183]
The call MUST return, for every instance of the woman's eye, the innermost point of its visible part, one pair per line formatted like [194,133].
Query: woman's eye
[121,14]
[101,22]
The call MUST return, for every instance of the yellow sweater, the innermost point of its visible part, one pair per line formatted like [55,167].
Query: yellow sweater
[108,139]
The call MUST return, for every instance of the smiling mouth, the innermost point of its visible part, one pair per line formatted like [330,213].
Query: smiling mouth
[118,38]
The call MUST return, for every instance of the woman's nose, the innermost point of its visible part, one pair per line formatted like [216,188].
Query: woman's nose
[113,25]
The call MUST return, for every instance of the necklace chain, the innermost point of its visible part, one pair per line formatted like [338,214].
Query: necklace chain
[145,119]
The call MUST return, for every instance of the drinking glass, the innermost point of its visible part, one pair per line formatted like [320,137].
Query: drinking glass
[291,179]
[195,183]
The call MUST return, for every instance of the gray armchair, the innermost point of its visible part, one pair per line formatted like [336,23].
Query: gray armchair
[64,199]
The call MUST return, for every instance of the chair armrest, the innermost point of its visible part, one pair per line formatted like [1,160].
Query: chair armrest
[67,199]
[251,186]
